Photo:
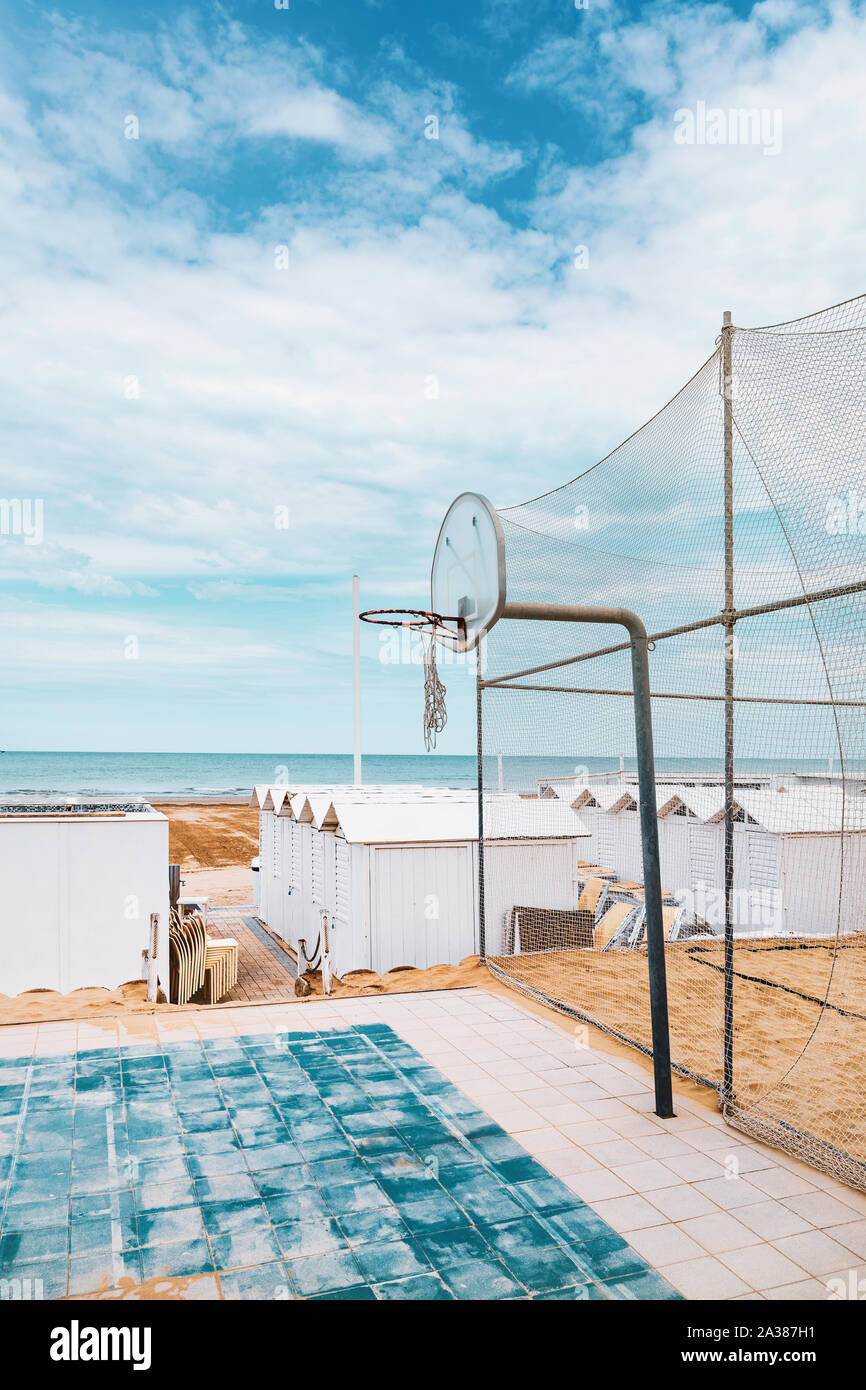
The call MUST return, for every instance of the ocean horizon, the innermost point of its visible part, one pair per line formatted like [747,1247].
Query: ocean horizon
[233,775]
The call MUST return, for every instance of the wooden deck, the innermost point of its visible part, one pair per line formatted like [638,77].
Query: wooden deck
[266,971]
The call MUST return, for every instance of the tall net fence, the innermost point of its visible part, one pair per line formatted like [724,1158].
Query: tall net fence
[733,523]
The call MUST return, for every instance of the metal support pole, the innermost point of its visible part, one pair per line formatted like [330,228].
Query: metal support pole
[482,935]
[356,677]
[567,613]
[729,628]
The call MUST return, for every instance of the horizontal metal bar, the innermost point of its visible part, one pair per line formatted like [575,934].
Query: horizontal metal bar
[678,695]
[510,611]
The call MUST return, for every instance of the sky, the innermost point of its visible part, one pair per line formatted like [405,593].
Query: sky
[277,283]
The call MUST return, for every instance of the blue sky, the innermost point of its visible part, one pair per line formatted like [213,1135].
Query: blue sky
[282,301]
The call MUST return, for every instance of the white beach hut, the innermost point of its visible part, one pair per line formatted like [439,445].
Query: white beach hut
[788,850]
[79,883]
[396,869]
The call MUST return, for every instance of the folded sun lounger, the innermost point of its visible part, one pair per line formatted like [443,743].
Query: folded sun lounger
[199,964]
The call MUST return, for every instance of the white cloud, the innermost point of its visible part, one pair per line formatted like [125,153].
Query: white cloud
[419,342]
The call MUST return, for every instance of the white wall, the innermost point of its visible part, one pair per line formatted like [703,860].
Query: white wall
[810,877]
[531,874]
[77,894]
[422,904]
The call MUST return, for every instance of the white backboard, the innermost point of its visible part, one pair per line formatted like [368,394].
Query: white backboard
[468,576]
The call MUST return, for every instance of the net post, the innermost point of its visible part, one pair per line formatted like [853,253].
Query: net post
[729,620]
[479,690]
[652,879]
[623,617]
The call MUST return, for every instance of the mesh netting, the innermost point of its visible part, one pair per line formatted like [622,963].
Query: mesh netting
[755,610]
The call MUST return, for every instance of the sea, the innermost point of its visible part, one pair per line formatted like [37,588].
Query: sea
[231,776]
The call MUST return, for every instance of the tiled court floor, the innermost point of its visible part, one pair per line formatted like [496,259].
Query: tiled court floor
[448,1145]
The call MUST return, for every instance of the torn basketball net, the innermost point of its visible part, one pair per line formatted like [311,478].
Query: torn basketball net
[429,625]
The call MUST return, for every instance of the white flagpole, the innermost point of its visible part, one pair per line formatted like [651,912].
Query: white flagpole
[356,662]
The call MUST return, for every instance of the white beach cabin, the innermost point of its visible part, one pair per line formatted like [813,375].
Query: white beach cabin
[80,880]
[397,870]
[788,848]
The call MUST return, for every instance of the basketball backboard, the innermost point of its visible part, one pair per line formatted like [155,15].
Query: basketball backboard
[468,576]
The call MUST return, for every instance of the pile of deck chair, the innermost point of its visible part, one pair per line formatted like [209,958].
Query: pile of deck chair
[609,915]
[201,968]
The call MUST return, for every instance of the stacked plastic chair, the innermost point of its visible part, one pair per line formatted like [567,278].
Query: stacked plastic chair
[199,964]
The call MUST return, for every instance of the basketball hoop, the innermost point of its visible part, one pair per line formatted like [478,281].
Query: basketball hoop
[430,626]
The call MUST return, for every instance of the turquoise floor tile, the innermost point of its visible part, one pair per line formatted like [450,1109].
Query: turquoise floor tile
[26,1216]
[523,1169]
[287,1207]
[609,1257]
[325,1273]
[321,1166]
[437,1213]
[260,1284]
[310,1238]
[499,1148]
[354,1196]
[577,1223]
[48,1187]
[105,1269]
[157,1170]
[365,1124]
[211,1142]
[38,1282]
[226,1187]
[105,1232]
[163,1196]
[384,1260]
[39,1166]
[204,1121]
[523,1236]
[170,1227]
[454,1246]
[586,1293]
[428,1288]
[216,1165]
[449,1155]
[336,1172]
[223,1218]
[545,1195]
[414,1186]
[359,1293]
[645,1286]
[313,1150]
[185,1258]
[101,1179]
[481,1280]
[383,1223]
[160,1149]
[278,1182]
[240,1248]
[36,1243]
[487,1201]
[381,1141]
[541,1270]
[261,1157]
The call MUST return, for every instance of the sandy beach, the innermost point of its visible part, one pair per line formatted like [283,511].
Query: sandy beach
[214,844]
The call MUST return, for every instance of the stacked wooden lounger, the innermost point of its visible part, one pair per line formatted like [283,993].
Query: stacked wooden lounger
[198,963]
